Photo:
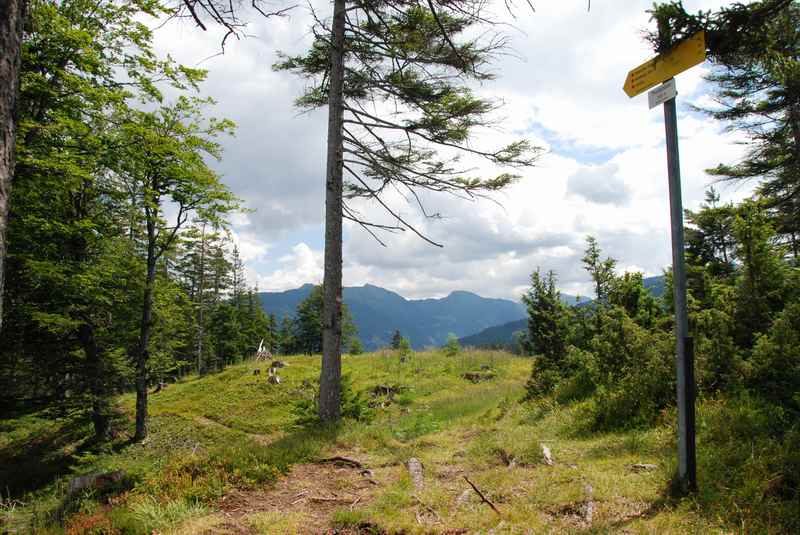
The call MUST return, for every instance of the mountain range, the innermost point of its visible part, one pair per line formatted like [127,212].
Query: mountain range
[378,312]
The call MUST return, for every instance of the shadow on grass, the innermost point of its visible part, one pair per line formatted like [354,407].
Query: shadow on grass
[30,464]
[34,462]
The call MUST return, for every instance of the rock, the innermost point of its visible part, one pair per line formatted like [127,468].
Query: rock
[548,457]
[643,467]
[95,481]
[415,470]
[477,377]
[278,364]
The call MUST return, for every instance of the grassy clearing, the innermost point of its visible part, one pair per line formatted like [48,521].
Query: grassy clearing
[234,433]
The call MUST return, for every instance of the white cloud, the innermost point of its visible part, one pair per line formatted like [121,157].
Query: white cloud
[599,184]
[303,265]
[605,173]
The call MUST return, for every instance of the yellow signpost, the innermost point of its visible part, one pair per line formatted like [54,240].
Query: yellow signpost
[661,68]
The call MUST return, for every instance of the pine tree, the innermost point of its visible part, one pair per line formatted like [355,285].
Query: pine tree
[308,330]
[601,271]
[408,55]
[396,338]
[755,48]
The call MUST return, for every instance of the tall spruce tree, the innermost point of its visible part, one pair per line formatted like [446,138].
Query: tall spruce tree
[416,58]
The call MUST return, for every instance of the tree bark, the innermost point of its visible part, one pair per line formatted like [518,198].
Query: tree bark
[330,376]
[11,17]
[200,310]
[144,333]
[96,378]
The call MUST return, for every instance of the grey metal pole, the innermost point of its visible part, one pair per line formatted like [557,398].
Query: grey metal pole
[687,471]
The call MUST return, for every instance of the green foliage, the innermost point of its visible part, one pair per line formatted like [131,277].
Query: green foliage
[760,283]
[356,347]
[719,364]
[422,58]
[601,271]
[452,347]
[776,361]
[547,332]
[306,336]
[404,348]
[397,338]
[748,459]
[355,405]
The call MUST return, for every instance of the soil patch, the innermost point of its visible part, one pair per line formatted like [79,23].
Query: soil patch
[312,491]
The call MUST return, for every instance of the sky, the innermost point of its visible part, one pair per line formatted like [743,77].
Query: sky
[603,172]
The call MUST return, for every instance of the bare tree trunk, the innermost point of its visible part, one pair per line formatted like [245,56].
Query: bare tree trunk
[330,377]
[11,17]
[144,334]
[200,290]
[96,378]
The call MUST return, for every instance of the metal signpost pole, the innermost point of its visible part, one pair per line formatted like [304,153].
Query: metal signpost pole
[663,68]
[687,468]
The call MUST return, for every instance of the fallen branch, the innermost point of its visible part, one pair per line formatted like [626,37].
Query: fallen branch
[352,463]
[317,499]
[484,499]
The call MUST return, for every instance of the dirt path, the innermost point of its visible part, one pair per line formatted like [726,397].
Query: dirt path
[304,501]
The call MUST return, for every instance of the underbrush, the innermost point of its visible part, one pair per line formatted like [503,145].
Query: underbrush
[748,460]
[748,464]
[748,455]
[227,431]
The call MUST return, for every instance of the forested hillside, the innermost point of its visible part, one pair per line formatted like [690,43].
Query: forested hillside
[120,270]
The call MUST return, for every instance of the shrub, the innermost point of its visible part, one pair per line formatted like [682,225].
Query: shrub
[748,460]
[634,372]
[776,360]
[583,378]
[355,405]
[356,347]
[543,379]
[452,347]
[718,362]
[404,347]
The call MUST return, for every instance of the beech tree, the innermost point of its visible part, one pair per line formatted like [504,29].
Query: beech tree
[414,58]
[163,160]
